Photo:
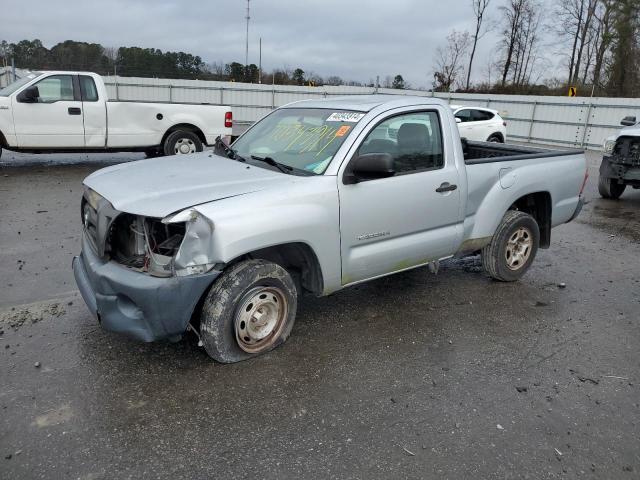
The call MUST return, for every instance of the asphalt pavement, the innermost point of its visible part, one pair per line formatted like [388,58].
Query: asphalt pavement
[415,375]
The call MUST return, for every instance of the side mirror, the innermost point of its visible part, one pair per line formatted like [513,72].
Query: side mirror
[458,120]
[29,95]
[628,121]
[369,166]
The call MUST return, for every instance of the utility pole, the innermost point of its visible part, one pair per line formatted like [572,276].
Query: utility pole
[246,51]
[260,63]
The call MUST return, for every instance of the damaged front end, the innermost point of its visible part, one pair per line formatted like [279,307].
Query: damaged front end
[143,276]
[177,245]
[623,162]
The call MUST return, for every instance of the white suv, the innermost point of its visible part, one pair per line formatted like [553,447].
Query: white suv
[480,124]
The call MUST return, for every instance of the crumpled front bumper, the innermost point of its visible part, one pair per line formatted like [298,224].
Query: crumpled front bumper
[136,304]
[619,171]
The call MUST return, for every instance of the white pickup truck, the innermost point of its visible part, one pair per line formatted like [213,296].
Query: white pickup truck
[71,112]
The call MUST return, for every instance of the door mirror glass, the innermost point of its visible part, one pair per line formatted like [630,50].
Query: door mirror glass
[29,95]
[370,166]
[628,121]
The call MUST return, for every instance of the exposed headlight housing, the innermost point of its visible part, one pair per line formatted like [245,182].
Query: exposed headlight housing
[93,198]
[609,145]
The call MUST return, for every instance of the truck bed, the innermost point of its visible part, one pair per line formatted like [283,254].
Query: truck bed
[485,152]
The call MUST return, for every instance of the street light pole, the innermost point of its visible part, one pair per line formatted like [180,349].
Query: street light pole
[246,51]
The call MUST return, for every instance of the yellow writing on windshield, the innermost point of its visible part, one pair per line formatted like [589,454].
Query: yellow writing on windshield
[303,138]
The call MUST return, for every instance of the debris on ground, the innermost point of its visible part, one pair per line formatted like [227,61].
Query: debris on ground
[17,317]
[499,427]
[409,452]
[522,389]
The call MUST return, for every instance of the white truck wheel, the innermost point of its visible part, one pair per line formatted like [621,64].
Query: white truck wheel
[182,142]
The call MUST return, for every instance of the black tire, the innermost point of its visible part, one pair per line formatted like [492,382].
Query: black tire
[153,153]
[229,300]
[609,188]
[495,138]
[496,256]
[176,139]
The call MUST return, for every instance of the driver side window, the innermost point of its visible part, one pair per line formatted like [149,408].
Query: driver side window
[55,88]
[413,140]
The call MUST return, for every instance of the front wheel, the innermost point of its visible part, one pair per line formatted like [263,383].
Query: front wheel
[249,310]
[513,247]
[182,142]
[609,188]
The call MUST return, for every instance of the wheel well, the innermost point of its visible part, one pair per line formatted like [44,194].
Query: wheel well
[499,135]
[188,127]
[298,259]
[538,205]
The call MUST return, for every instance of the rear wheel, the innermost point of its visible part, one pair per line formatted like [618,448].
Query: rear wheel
[513,247]
[249,310]
[610,188]
[182,142]
[495,138]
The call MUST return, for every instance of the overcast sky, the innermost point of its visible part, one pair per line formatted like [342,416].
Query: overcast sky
[356,40]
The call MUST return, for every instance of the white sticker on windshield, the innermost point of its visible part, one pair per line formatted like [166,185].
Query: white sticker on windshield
[345,117]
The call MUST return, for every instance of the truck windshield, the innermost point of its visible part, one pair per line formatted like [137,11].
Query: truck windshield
[12,87]
[302,138]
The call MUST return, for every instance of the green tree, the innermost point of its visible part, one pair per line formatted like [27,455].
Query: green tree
[398,82]
[251,73]
[298,76]
[234,71]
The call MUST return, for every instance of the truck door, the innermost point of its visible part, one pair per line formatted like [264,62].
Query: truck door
[95,113]
[408,219]
[54,118]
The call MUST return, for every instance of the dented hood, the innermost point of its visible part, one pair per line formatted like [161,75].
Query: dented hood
[158,187]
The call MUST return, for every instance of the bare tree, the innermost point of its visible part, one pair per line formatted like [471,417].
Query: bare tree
[521,37]
[449,60]
[479,7]
[604,21]
[584,29]
[512,14]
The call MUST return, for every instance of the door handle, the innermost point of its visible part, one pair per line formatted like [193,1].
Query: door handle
[74,111]
[446,187]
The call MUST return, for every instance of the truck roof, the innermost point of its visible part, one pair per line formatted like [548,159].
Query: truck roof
[366,103]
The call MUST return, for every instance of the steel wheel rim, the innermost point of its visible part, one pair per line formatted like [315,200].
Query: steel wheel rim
[260,318]
[519,248]
[184,146]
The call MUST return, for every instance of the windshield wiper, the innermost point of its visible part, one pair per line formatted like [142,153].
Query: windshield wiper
[220,146]
[268,160]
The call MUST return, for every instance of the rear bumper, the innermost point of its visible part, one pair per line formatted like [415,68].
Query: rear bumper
[138,305]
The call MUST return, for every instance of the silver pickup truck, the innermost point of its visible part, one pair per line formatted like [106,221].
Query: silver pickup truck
[315,197]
